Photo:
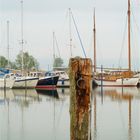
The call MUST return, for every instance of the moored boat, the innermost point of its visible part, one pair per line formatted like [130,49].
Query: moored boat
[63,81]
[118,78]
[48,82]
[25,82]
[7,81]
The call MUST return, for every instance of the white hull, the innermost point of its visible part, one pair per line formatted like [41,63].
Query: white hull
[6,83]
[63,83]
[25,83]
[126,82]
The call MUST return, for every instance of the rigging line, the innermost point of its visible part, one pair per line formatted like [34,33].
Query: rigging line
[99,48]
[78,34]
[134,44]
[57,45]
[135,21]
[65,19]
[63,26]
[123,42]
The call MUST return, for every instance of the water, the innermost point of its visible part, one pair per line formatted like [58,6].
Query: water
[26,115]
[37,115]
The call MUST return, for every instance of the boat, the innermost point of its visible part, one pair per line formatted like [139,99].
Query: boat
[7,81]
[48,82]
[6,78]
[22,82]
[63,81]
[45,81]
[118,77]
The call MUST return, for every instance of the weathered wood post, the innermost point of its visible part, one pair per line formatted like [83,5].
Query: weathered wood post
[80,73]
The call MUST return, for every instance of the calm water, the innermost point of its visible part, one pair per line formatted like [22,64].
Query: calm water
[37,115]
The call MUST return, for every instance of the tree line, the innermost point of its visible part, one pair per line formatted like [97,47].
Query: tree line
[29,62]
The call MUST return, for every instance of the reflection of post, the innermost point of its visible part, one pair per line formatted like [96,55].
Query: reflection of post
[129,123]
[80,86]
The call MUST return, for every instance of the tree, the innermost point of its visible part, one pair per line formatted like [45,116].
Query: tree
[29,62]
[58,62]
[3,62]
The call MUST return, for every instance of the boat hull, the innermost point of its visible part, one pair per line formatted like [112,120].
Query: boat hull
[6,83]
[47,82]
[63,83]
[126,82]
[25,83]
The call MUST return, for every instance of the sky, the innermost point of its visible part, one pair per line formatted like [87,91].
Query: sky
[43,17]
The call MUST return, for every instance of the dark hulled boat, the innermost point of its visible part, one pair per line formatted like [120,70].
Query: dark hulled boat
[49,82]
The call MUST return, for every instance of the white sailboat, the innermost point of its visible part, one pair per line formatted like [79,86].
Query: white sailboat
[6,78]
[116,78]
[7,81]
[24,81]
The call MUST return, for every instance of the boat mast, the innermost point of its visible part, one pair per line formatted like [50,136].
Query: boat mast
[70,32]
[94,37]
[8,44]
[129,36]
[54,46]
[22,40]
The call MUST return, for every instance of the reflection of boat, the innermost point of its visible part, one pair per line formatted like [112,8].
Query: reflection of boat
[6,94]
[29,94]
[120,93]
[52,93]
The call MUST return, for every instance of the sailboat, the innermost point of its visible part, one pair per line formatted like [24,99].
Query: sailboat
[63,80]
[22,81]
[117,78]
[6,78]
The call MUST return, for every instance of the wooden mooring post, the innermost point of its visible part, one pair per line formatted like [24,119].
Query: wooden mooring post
[80,73]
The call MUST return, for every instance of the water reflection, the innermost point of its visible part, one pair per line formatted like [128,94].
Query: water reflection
[52,93]
[31,114]
[115,113]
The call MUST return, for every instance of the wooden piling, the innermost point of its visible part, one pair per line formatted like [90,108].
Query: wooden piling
[80,73]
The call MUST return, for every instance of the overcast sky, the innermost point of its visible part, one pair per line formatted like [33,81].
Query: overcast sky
[42,17]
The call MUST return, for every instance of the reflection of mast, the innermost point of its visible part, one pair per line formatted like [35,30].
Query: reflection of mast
[8,117]
[130,121]
[54,117]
